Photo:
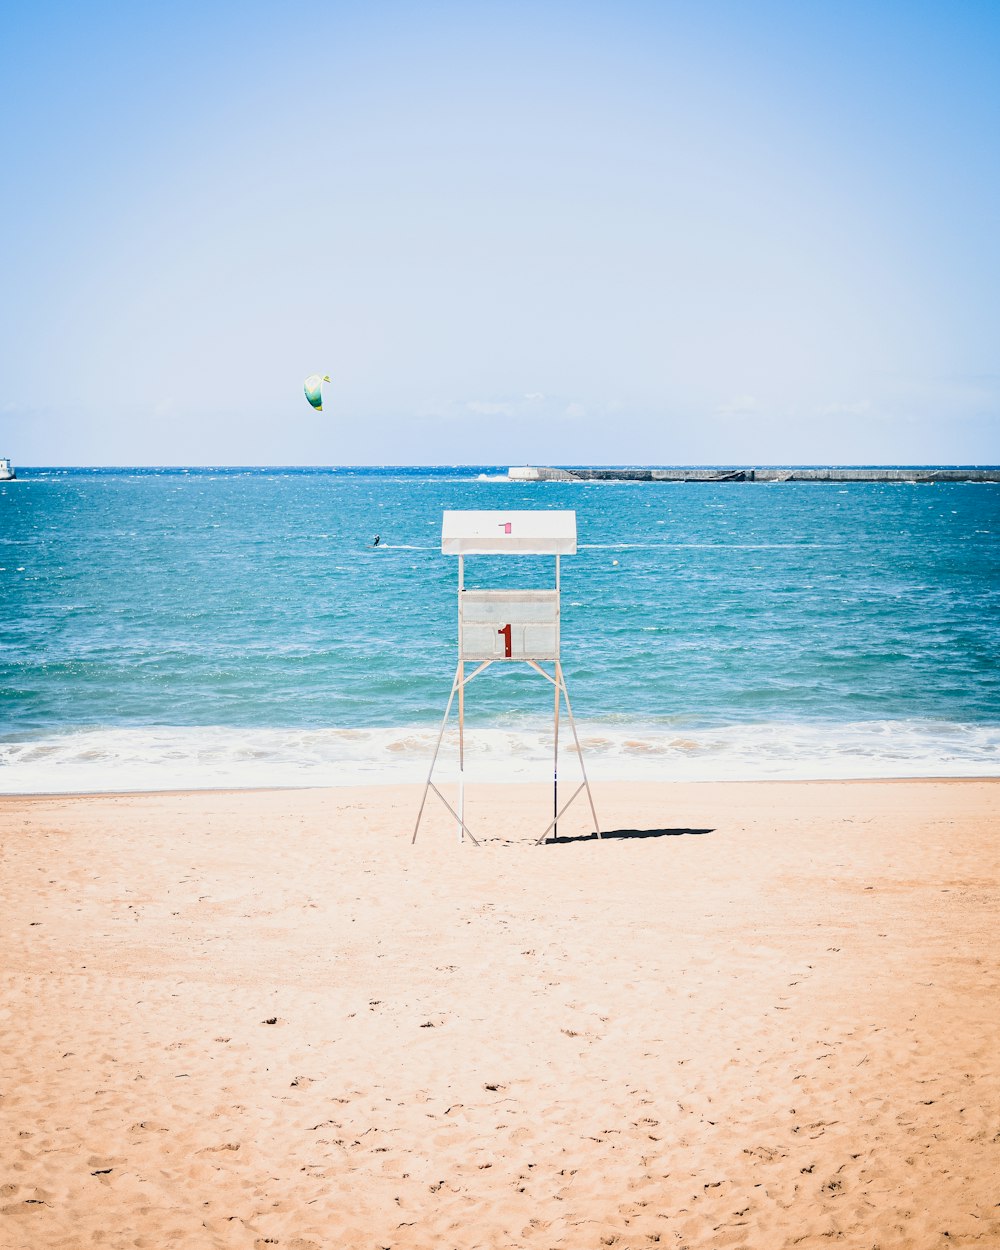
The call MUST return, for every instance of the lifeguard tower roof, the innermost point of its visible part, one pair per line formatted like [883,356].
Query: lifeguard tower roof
[525,532]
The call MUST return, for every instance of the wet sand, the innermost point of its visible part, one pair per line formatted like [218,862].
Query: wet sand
[754,1015]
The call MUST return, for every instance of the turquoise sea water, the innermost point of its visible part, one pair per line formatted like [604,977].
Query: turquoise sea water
[173,627]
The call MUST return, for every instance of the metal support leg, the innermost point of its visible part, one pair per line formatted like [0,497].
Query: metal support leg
[559,682]
[461,749]
[458,685]
[437,747]
[555,766]
[583,767]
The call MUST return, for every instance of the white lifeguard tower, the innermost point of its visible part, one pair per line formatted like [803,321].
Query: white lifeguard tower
[504,626]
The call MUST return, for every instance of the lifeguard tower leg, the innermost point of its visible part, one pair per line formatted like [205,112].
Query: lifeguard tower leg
[460,678]
[555,721]
[555,765]
[583,767]
[437,747]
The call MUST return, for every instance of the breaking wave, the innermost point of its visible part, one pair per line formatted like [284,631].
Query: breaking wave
[179,757]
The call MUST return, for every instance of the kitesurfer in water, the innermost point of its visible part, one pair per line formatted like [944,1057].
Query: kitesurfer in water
[378,539]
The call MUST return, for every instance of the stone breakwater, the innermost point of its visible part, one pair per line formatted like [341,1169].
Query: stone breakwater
[530,473]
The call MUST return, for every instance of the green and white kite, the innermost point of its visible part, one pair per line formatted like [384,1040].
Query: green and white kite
[314,389]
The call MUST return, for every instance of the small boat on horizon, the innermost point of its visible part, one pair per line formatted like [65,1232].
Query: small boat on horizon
[7,473]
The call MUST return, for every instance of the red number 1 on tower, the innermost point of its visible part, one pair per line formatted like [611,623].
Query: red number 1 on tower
[505,630]
[506,526]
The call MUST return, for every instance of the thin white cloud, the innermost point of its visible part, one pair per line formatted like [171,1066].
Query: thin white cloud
[489,408]
[857,408]
[742,405]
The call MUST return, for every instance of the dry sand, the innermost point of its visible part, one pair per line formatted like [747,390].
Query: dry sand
[758,1015]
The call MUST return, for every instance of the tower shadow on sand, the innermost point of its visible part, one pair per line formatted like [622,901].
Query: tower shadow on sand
[607,834]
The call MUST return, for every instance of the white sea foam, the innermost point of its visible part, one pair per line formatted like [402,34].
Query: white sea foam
[703,546]
[172,758]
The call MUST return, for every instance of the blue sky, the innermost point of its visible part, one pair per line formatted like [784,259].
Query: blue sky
[512,233]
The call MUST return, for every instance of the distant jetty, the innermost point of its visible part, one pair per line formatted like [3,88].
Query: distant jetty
[530,473]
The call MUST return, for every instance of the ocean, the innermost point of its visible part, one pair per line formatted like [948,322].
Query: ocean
[166,628]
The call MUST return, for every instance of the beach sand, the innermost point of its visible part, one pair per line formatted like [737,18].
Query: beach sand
[757,1015]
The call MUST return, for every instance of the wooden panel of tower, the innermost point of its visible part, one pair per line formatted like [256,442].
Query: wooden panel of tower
[509,624]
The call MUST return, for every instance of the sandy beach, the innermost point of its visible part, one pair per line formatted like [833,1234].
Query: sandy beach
[754,1015]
